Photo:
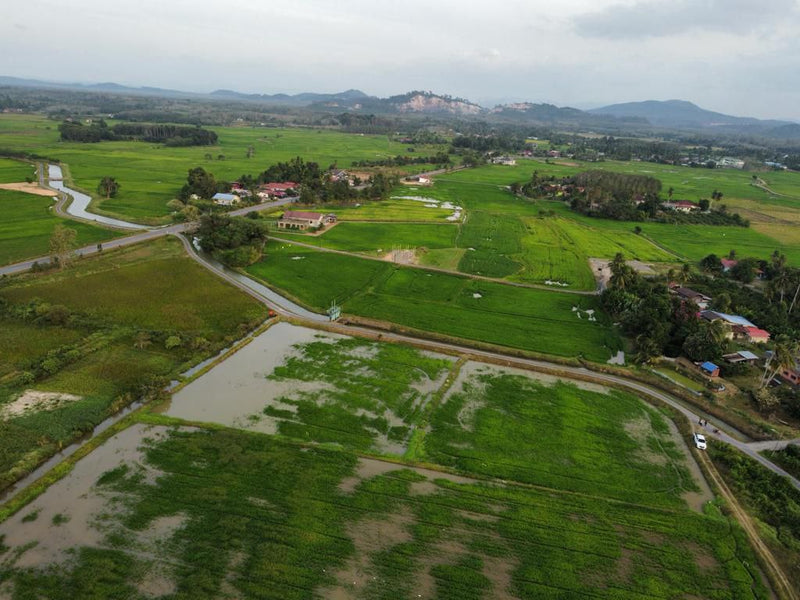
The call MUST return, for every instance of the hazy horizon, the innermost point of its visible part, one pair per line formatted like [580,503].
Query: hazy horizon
[735,57]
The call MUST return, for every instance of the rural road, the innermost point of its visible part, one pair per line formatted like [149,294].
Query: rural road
[147,234]
[287,308]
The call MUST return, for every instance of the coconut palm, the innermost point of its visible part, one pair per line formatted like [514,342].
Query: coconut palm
[783,358]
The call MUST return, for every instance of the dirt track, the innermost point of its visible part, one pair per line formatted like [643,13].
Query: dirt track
[783,586]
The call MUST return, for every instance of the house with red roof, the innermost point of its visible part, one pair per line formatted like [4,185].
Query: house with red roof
[681,206]
[296,219]
[277,189]
[728,264]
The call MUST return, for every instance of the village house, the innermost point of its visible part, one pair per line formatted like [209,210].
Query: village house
[340,175]
[276,189]
[302,220]
[709,369]
[728,264]
[741,356]
[740,328]
[504,160]
[730,163]
[791,375]
[683,206]
[752,335]
[221,199]
[701,300]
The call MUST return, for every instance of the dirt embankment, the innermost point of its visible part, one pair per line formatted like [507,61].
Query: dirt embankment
[28,188]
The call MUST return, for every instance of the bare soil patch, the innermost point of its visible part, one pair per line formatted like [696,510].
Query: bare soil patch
[402,257]
[34,401]
[28,188]
[369,536]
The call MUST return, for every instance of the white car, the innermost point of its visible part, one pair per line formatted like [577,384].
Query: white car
[699,441]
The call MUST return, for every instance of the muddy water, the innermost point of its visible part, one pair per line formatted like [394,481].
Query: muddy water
[76,501]
[238,388]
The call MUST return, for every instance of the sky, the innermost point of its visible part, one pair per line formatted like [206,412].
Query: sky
[739,57]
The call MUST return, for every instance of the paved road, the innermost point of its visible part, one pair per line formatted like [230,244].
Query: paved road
[288,308]
[711,432]
[149,234]
[772,444]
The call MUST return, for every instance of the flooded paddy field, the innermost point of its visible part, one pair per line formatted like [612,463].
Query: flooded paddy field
[164,513]
[318,387]
[524,486]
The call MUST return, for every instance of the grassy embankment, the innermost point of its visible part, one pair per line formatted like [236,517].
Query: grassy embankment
[28,222]
[107,330]
[771,499]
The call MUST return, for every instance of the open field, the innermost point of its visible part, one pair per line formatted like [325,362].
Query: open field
[769,214]
[380,238]
[688,183]
[151,174]
[501,236]
[108,330]
[28,222]
[393,209]
[224,513]
[489,312]
[15,171]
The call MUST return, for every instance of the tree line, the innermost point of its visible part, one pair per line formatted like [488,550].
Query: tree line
[169,135]
[440,158]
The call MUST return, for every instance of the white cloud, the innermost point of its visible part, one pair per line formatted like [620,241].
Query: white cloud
[725,55]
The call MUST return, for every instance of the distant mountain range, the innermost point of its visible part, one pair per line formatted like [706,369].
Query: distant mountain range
[650,115]
[680,114]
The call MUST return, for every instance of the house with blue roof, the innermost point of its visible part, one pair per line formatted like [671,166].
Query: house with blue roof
[710,369]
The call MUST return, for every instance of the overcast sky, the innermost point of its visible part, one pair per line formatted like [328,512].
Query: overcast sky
[740,57]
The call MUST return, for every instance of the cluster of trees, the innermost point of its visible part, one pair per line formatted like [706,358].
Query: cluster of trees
[624,197]
[662,323]
[657,320]
[170,135]
[613,195]
[772,307]
[771,497]
[235,241]
[491,142]
[199,183]
[441,158]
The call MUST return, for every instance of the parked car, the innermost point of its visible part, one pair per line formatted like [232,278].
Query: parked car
[699,441]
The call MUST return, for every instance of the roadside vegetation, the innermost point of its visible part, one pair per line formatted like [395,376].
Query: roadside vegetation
[80,344]
[28,223]
[770,498]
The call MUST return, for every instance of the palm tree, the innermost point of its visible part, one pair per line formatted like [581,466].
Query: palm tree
[686,272]
[784,358]
[621,274]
